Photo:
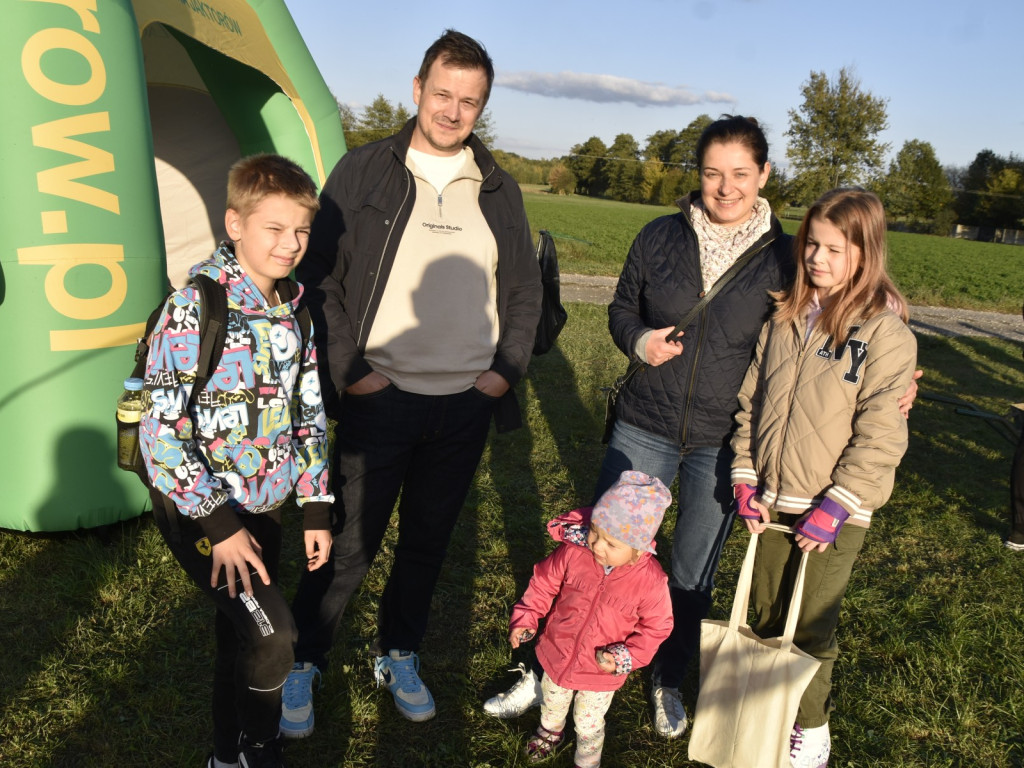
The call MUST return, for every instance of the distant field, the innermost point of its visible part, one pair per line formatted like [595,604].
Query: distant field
[593,237]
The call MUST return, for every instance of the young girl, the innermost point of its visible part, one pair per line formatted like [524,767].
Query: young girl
[820,432]
[611,614]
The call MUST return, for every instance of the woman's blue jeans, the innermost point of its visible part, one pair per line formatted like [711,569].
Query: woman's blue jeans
[704,519]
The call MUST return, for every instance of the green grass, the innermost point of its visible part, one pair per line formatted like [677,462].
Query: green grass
[593,237]
[108,647]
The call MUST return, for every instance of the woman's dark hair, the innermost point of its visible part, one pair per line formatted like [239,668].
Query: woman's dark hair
[734,128]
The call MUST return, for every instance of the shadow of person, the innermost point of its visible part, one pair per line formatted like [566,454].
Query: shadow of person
[97,493]
[551,466]
[435,330]
[80,616]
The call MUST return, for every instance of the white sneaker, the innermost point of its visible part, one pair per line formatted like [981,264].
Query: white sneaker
[809,748]
[521,697]
[669,714]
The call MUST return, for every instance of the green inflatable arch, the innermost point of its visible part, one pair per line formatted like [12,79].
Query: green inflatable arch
[121,120]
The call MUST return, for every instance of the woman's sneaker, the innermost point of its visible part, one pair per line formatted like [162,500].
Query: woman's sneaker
[399,671]
[809,748]
[297,701]
[669,713]
[518,699]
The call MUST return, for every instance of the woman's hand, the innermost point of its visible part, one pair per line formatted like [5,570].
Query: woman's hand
[658,350]
[906,402]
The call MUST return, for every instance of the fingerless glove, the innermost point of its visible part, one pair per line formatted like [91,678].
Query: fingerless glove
[743,494]
[823,523]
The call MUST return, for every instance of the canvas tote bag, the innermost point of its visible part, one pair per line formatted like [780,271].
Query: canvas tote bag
[750,687]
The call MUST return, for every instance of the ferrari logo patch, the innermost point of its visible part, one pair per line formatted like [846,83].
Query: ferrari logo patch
[203,545]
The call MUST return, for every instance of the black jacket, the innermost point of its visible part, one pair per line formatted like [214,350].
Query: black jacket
[691,398]
[364,208]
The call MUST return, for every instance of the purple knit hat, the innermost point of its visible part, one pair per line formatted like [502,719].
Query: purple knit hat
[632,509]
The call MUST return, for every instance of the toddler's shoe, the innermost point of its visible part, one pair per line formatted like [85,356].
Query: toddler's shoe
[543,744]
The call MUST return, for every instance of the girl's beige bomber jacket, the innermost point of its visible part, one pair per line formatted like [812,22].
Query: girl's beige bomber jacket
[818,420]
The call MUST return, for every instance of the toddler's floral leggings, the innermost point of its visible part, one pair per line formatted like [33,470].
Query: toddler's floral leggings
[587,713]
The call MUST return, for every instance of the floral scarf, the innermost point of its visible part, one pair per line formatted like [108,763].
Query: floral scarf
[720,245]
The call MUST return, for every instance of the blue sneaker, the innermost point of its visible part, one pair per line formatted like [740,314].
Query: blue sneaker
[399,671]
[297,701]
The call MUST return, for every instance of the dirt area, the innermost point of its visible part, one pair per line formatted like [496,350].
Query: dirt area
[936,321]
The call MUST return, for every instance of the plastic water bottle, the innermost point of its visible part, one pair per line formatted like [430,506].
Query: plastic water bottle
[129,414]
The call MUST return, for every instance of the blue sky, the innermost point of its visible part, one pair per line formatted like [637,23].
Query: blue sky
[953,72]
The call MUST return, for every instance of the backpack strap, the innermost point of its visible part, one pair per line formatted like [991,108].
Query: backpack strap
[213,330]
[288,289]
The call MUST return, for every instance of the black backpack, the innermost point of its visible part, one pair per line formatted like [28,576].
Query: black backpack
[213,331]
[552,313]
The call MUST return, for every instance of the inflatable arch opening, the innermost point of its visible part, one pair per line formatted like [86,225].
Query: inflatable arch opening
[124,119]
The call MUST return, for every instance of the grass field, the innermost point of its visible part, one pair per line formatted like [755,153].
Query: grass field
[593,237]
[108,647]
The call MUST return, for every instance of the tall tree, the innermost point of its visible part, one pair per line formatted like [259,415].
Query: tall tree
[661,145]
[587,162]
[378,121]
[625,171]
[1003,202]
[685,150]
[975,181]
[833,135]
[484,128]
[916,188]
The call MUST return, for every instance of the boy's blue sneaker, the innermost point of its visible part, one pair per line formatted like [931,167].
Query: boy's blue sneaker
[297,701]
[399,671]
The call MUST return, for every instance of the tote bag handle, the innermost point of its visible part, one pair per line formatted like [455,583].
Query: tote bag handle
[741,602]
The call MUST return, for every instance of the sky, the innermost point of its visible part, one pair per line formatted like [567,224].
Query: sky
[951,72]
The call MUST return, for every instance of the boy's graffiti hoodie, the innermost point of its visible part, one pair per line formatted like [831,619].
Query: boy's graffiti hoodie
[257,431]
[628,606]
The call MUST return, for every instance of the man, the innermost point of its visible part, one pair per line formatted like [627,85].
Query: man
[425,293]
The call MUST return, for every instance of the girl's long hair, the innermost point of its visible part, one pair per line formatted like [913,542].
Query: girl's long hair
[859,215]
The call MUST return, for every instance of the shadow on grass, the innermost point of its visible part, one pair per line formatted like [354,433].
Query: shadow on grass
[92,635]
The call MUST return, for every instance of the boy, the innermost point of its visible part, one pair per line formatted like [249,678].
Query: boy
[221,471]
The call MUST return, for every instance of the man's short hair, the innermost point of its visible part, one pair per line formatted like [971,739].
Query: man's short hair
[256,177]
[461,51]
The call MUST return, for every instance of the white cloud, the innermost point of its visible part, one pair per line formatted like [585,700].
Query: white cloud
[606,89]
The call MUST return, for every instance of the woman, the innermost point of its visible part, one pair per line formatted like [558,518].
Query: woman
[675,416]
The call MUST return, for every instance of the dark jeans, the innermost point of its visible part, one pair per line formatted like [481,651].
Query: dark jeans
[255,635]
[1017,494]
[426,447]
[704,518]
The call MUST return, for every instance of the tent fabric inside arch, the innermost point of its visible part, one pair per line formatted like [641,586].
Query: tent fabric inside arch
[126,117]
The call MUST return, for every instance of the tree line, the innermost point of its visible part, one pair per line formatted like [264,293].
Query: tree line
[832,140]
